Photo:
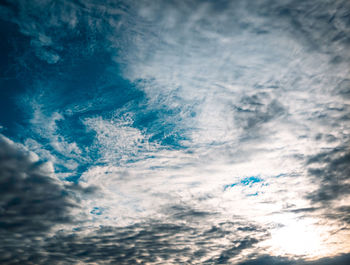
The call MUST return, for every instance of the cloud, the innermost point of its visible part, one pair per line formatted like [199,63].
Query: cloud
[32,201]
[331,169]
[169,108]
[38,211]
[338,260]
[215,76]
[152,242]
[128,142]
[30,194]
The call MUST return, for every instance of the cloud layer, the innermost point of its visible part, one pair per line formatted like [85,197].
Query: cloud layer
[208,132]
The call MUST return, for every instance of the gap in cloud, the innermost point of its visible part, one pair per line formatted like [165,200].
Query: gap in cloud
[246,181]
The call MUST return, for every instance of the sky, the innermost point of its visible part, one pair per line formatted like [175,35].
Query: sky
[175,132]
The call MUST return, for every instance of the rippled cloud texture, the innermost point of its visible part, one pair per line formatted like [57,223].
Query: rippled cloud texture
[175,132]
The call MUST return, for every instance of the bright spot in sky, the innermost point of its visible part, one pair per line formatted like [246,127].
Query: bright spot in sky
[299,238]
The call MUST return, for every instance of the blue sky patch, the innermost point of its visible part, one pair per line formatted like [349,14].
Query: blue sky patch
[247,181]
[96,211]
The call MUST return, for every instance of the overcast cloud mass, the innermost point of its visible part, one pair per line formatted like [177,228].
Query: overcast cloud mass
[175,132]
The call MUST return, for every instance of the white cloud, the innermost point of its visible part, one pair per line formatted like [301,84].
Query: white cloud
[117,141]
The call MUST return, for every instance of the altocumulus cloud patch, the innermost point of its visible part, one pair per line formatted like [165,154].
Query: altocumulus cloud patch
[174,132]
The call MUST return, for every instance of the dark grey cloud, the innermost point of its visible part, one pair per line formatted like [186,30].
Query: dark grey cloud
[305,210]
[342,214]
[331,169]
[231,252]
[184,212]
[31,201]
[253,112]
[270,260]
[319,26]
[343,88]
[152,242]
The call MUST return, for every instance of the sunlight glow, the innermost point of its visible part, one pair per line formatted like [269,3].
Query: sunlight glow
[299,238]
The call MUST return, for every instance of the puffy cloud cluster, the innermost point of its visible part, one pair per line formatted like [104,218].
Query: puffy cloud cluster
[33,202]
